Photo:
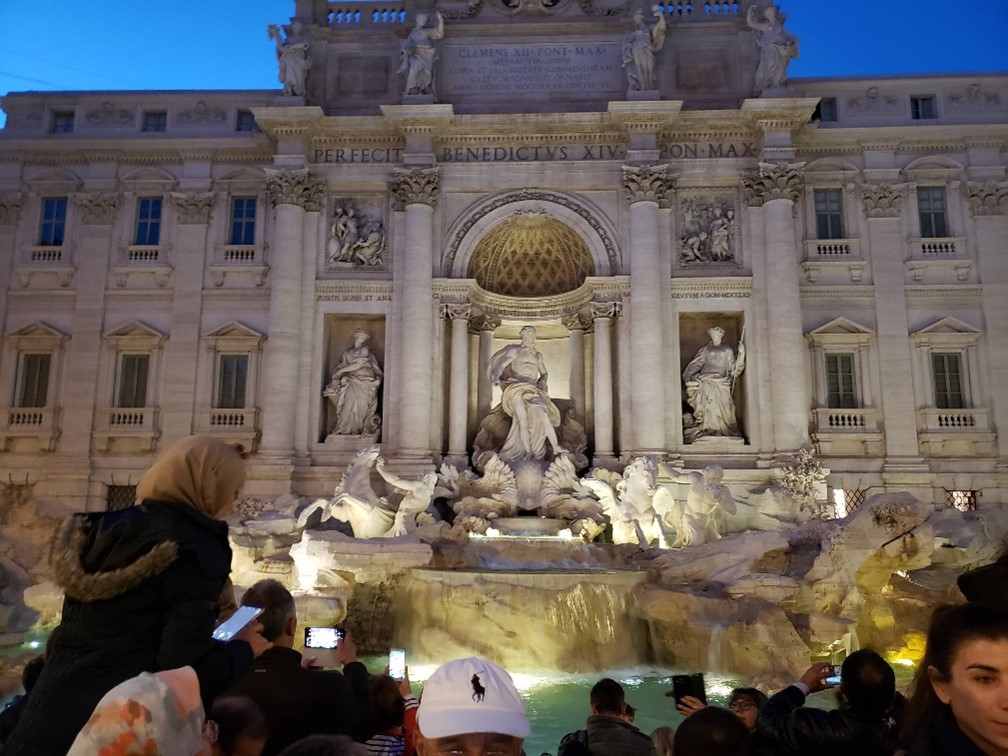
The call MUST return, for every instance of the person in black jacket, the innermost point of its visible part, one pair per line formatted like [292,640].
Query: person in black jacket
[298,702]
[608,733]
[141,586]
[862,725]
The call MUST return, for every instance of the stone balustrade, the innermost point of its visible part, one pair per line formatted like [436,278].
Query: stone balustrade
[937,248]
[365,14]
[29,422]
[954,420]
[848,420]
[44,255]
[700,9]
[138,424]
[143,254]
[832,249]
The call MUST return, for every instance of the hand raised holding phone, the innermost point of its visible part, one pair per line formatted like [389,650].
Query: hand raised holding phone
[252,634]
[346,651]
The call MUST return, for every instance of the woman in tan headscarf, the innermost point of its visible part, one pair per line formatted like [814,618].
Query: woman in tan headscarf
[142,588]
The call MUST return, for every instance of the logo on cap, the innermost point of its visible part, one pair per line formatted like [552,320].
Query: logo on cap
[479,692]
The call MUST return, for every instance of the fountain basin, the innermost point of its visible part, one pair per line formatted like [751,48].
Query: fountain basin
[529,526]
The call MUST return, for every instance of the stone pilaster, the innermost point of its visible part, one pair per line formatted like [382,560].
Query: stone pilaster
[775,188]
[646,187]
[192,215]
[602,314]
[485,324]
[989,209]
[417,191]
[308,389]
[93,243]
[289,192]
[458,388]
[10,209]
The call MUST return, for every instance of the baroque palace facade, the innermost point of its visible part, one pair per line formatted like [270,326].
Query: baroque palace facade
[426,184]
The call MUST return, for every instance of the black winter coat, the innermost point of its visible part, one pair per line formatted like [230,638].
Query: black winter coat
[141,589]
[299,702]
[609,736]
[941,736]
[841,732]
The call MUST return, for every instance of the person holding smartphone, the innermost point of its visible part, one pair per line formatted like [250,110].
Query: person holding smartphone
[298,701]
[142,587]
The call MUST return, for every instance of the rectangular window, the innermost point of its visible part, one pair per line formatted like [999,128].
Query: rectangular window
[53,222]
[148,225]
[947,370]
[133,380]
[922,108]
[120,497]
[829,213]
[826,110]
[231,385]
[62,123]
[245,121]
[964,501]
[243,212]
[931,206]
[33,389]
[840,381]
[155,121]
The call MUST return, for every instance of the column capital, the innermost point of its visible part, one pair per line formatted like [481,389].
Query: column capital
[417,186]
[289,187]
[604,310]
[581,320]
[10,209]
[646,183]
[97,209]
[882,200]
[481,320]
[774,181]
[192,207]
[988,198]
[315,196]
[456,310]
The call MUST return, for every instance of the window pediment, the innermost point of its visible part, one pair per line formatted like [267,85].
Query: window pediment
[949,331]
[54,181]
[36,335]
[235,335]
[840,331]
[135,335]
[148,180]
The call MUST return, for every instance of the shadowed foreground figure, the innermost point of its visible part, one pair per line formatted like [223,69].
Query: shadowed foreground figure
[142,586]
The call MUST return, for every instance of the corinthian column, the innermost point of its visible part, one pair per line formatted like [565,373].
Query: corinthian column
[416,190]
[645,187]
[458,388]
[576,329]
[602,369]
[289,192]
[775,188]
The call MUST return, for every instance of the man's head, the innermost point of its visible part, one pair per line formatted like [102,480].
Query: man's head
[470,706]
[712,731]
[867,682]
[527,334]
[607,698]
[713,474]
[278,617]
[716,334]
[745,703]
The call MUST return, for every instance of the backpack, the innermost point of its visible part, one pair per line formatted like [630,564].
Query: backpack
[574,744]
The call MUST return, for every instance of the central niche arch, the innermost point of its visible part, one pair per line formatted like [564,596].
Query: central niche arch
[531,255]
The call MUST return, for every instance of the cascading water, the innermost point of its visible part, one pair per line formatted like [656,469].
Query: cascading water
[715,652]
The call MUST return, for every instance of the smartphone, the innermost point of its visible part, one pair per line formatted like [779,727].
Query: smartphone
[397,663]
[323,637]
[689,685]
[234,624]
[834,675]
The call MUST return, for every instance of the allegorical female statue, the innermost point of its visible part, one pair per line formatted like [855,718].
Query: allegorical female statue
[640,48]
[292,57]
[776,45]
[710,380]
[354,390]
[418,54]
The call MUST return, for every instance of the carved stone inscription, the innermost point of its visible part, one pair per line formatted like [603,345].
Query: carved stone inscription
[540,69]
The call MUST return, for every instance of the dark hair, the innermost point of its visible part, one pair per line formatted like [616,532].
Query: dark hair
[758,697]
[389,706]
[607,697]
[869,683]
[31,672]
[951,627]
[237,717]
[629,711]
[277,604]
[325,745]
[712,731]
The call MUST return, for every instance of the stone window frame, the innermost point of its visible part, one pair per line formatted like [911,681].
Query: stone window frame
[161,124]
[843,336]
[918,101]
[833,174]
[239,258]
[32,256]
[130,338]
[34,338]
[58,120]
[949,335]
[935,172]
[236,424]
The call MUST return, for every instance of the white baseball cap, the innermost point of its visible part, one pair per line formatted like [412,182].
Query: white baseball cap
[471,695]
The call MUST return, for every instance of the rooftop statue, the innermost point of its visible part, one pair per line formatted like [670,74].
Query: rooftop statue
[418,55]
[710,381]
[776,45]
[640,48]
[292,55]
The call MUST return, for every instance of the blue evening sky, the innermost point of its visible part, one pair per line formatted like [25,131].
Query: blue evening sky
[221,44]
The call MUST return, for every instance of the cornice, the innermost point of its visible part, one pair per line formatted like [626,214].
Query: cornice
[144,297]
[51,297]
[946,291]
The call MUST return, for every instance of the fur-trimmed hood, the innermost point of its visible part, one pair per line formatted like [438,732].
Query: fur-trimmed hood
[74,536]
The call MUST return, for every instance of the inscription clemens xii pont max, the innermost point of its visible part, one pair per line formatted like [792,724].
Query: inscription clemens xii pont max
[533,69]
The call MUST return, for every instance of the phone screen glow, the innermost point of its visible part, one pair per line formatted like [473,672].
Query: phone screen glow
[397,663]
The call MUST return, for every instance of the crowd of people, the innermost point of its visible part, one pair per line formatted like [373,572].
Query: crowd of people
[133,667]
